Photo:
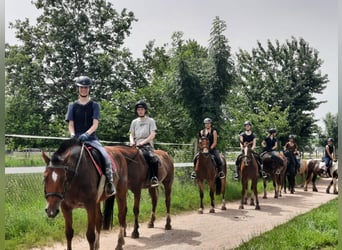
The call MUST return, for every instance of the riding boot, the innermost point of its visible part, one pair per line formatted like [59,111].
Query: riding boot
[154,168]
[193,173]
[220,172]
[110,188]
[237,172]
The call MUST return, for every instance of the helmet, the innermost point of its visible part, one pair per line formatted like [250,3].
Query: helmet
[140,104]
[291,136]
[207,120]
[272,130]
[83,81]
[331,139]
[247,123]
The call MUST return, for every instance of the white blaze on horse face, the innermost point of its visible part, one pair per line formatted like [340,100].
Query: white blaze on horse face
[245,150]
[54,176]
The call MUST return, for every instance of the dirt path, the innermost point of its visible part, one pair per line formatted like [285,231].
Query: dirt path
[222,230]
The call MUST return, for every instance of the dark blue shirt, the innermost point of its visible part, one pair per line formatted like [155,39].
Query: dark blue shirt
[83,116]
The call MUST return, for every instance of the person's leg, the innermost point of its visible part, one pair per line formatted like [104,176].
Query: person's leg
[110,188]
[218,164]
[237,167]
[193,173]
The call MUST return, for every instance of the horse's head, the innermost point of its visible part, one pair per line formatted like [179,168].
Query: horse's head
[56,176]
[204,144]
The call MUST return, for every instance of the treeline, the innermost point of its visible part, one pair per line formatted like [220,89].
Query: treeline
[273,85]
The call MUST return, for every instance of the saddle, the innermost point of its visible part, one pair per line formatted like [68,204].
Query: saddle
[98,159]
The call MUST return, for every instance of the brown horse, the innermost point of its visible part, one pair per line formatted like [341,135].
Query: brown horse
[249,171]
[71,181]
[205,169]
[137,178]
[275,169]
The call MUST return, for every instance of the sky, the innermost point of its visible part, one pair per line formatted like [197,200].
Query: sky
[248,21]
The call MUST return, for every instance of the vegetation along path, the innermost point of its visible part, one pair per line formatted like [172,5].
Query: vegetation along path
[222,230]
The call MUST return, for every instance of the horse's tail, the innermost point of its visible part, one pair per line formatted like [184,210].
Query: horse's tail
[218,185]
[108,213]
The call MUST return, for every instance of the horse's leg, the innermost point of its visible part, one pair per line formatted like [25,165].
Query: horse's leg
[243,192]
[307,180]
[69,231]
[314,188]
[137,195]
[91,237]
[98,226]
[285,176]
[200,186]
[154,199]
[211,193]
[167,187]
[255,190]
[265,192]
[121,199]
[335,184]
[329,186]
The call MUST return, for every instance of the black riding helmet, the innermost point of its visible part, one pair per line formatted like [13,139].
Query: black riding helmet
[83,81]
[272,130]
[140,104]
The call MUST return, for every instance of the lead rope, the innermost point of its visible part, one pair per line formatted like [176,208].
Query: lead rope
[79,159]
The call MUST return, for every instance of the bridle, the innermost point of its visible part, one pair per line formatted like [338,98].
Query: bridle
[66,170]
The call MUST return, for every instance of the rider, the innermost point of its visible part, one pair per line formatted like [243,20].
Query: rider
[248,137]
[83,120]
[329,155]
[270,145]
[292,146]
[211,134]
[142,132]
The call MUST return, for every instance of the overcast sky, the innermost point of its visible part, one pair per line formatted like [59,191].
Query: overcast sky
[248,21]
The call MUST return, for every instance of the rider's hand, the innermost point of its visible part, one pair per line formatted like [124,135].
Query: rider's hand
[84,137]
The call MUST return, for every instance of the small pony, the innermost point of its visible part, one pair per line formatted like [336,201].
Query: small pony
[334,174]
[205,169]
[249,171]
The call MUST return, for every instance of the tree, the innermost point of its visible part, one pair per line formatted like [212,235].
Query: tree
[331,129]
[284,75]
[71,38]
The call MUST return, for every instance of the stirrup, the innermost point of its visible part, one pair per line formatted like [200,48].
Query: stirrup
[221,175]
[154,182]
[193,175]
[110,189]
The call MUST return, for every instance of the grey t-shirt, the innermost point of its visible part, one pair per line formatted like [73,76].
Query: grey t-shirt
[142,128]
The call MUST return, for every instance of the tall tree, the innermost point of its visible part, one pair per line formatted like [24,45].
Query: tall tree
[286,75]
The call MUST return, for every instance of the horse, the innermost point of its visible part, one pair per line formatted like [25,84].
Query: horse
[275,169]
[249,171]
[290,171]
[334,175]
[71,180]
[313,169]
[205,169]
[138,178]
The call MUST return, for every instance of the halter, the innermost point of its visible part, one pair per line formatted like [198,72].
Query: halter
[66,169]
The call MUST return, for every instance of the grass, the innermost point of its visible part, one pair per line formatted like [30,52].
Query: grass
[317,229]
[27,226]
[20,159]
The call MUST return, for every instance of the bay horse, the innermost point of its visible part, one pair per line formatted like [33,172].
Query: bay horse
[205,169]
[137,178]
[249,171]
[71,180]
[290,171]
[275,169]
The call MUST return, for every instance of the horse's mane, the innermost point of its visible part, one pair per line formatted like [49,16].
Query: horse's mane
[64,147]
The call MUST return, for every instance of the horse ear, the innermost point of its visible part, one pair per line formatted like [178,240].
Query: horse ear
[45,158]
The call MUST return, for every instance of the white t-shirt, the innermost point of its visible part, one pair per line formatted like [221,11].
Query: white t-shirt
[141,128]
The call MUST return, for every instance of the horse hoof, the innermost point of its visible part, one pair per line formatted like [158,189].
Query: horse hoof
[276,197]
[150,225]
[241,207]
[135,235]
[264,197]
[212,211]
[314,190]
[336,192]
[257,207]
[200,211]
[223,208]
[168,227]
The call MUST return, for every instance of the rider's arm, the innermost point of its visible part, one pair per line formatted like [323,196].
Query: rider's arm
[254,143]
[241,142]
[275,146]
[263,143]
[148,139]
[93,127]
[71,128]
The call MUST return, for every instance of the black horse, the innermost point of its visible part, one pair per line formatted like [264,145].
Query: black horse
[291,170]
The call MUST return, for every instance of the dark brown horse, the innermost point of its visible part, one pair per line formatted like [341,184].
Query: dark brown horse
[275,169]
[205,169]
[137,178]
[249,171]
[71,181]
